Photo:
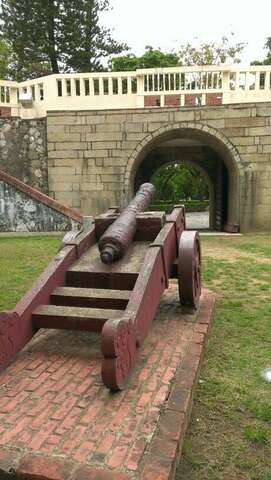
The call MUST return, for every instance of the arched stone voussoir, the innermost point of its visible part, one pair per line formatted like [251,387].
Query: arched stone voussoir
[196,130]
[212,136]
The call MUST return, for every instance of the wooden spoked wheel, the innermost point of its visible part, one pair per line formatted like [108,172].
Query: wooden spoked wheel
[189,269]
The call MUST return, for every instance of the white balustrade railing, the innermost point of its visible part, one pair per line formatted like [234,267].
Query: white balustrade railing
[176,86]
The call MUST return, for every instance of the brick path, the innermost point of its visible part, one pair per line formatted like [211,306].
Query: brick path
[58,422]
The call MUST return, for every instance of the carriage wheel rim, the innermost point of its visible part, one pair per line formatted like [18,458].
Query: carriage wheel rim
[189,268]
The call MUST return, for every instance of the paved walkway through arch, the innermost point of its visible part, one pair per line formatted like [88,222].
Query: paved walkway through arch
[197,220]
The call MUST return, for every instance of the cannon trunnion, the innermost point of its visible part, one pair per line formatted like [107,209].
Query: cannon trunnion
[117,297]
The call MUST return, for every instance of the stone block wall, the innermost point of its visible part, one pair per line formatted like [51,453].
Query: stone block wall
[91,155]
[87,159]
[23,150]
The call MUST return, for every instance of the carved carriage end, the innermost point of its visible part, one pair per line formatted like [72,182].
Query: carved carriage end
[9,335]
[119,350]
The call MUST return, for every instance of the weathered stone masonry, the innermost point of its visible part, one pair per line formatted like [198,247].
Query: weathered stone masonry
[23,150]
[93,156]
[89,160]
[25,209]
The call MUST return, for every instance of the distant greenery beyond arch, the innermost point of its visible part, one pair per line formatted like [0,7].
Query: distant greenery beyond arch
[175,182]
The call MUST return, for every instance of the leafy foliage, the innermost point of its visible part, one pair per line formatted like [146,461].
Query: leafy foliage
[200,53]
[51,36]
[5,54]
[152,58]
[175,182]
[83,42]
[213,53]
[25,28]
[267,60]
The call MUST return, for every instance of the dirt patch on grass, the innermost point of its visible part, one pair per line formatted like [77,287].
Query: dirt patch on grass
[232,255]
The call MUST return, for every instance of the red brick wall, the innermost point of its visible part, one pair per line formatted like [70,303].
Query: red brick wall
[152,101]
[5,112]
[172,100]
[214,98]
[190,100]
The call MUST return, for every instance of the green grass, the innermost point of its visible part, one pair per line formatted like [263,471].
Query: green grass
[229,436]
[22,259]
[256,434]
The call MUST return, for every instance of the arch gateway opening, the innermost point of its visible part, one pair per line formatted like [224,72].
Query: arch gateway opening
[204,150]
[184,183]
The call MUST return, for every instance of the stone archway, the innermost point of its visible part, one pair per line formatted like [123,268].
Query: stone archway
[209,136]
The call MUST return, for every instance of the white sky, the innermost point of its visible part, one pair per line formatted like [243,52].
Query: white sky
[169,23]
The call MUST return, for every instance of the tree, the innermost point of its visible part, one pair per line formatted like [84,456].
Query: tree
[152,58]
[175,182]
[213,53]
[5,58]
[52,36]
[200,53]
[267,46]
[85,42]
[24,27]
[267,60]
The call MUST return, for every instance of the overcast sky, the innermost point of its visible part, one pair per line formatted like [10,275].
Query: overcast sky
[168,23]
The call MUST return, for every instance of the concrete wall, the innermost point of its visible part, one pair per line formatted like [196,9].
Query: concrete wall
[93,156]
[23,150]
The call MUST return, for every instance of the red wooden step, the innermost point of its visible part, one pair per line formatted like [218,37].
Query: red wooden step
[90,297]
[73,318]
[90,272]
[110,280]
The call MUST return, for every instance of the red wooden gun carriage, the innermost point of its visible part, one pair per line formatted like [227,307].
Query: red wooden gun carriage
[110,279]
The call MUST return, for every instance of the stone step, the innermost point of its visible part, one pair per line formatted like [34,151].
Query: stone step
[73,318]
[90,297]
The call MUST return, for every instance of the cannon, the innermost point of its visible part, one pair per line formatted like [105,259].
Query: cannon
[109,278]
[118,237]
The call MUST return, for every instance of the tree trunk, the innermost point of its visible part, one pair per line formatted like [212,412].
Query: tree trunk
[53,60]
[51,37]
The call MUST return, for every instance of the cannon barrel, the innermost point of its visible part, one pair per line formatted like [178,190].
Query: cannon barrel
[116,240]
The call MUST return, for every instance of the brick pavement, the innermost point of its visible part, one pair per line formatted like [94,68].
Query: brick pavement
[58,421]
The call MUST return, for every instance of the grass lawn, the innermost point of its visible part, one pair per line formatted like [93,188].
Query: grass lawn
[22,259]
[229,437]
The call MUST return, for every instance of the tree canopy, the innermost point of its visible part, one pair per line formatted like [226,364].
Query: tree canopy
[198,53]
[175,182]
[40,37]
[152,58]
[5,57]
[267,60]
[52,36]
[213,53]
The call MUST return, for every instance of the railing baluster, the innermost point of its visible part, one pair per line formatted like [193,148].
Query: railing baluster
[235,85]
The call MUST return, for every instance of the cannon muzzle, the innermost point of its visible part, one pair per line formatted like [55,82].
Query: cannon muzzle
[117,238]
